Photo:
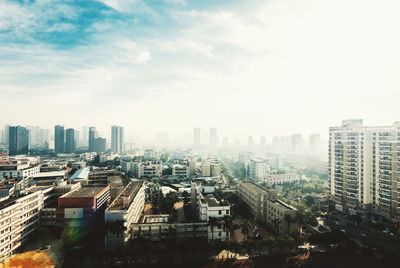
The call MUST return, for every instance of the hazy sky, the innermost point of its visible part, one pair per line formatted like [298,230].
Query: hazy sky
[256,67]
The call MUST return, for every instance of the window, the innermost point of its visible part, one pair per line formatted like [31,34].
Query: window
[219,212]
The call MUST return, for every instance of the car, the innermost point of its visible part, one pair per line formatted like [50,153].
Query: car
[343,230]
[363,235]
[45,247]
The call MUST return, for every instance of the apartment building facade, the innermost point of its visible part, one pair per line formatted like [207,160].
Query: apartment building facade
[364,168]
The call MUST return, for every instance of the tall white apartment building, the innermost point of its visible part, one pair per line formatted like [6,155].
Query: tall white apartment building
[257,169]
[19,217]
[117,139]
[364,168]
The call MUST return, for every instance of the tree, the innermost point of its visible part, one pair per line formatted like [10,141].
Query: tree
[300,218]
[227,223]
[213,222]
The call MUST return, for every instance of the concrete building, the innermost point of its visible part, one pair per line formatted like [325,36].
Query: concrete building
[180,170]
[210,168]
[266,208]
[363,168]
[257,169]
[196,137]
[21,169]
[19,218]
[18,140]
[92,137]
[70,141]
[84,203]
[126,210]
[117,139]
[59,139]
[213,137]
[100,145]
[209,205]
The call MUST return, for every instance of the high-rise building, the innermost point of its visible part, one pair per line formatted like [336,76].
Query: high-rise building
[84,136]
[76,137]
[18,140]
[263,141]
[70,144]
[100,145]
[44,137]
[315,142]
[250,141]
[297,143]
[92,137]
[213,137]
[33,136]
[257,169]
[363,168]
[59,139]
[196,137]
[117,139]
[5,133]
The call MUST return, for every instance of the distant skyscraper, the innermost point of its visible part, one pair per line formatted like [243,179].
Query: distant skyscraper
[5,134]
[213,137]
[296,143]
[196,137]
[59,139]
[315,142]
[70,144]
[263,141]
[100,145]
[225,142]
[250,141]
[76,137]
[18,140]
[84,136]
[117,139]
[33,136]
[92,136]
[44,137]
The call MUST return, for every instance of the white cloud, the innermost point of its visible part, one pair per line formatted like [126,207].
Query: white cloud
[271,68]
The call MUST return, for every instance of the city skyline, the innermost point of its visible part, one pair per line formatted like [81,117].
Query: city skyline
[264,61]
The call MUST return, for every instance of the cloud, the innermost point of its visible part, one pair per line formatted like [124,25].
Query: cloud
[271,67]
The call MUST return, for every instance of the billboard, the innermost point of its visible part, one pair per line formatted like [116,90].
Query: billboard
[73,213]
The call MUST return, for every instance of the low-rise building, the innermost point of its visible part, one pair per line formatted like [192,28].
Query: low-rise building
[19,217]
[124,211]
[264,205]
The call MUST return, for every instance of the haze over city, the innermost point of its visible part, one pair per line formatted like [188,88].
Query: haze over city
[250,68]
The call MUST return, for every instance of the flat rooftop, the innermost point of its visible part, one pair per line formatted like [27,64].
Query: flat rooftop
[214,201]
[82,173]
[125,198]
[86,191]
[253,186]
[162,218]
[49,174]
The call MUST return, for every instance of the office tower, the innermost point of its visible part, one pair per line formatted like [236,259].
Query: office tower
[84,136]
[70,141]
[100,145]
[213,137]
[296,143]
[92,136]
[315,142]
[117,139]
[18,140]
[76,138]
[5,133]
[196,137]
[250,141]
[33,136]
[363,168]
[59,139]
[263,141]
[44,136]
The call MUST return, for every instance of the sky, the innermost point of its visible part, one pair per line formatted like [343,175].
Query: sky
[263,67]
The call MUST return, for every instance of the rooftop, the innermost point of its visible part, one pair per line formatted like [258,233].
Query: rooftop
[87,191]
[82,173]
[49,174]
[214,201]
[125,198]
